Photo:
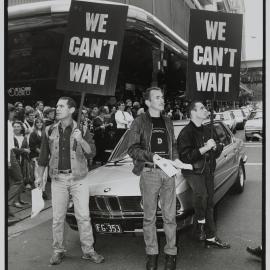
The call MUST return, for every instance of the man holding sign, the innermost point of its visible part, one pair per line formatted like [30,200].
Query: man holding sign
[194,146]
[67,169]
[151,142]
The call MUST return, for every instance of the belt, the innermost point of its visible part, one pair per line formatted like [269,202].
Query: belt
[65,171]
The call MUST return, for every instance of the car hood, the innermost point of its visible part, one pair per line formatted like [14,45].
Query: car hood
[113,179]
[118,180]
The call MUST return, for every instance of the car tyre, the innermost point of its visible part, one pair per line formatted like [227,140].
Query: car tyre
[247,138]
[239,184]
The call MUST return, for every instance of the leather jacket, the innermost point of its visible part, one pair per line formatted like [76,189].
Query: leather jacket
[140,141]
[189,141]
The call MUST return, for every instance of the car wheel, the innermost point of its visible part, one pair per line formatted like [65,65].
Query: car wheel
[239,184]
[247,138]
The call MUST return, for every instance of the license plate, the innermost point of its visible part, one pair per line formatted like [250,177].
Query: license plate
[108,228]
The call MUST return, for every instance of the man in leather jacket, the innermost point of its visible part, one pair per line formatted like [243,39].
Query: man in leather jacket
[195,146]
[152,138]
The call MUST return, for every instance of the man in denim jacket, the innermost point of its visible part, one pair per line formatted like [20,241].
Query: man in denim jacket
[65,150]
[152,138]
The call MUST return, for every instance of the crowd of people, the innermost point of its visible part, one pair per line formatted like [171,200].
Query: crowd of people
[106,125]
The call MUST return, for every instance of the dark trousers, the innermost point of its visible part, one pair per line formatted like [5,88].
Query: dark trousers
[15,179]
[203,193]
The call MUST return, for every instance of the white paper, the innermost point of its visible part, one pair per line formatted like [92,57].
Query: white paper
[166,166]
[182,165]
[37,201]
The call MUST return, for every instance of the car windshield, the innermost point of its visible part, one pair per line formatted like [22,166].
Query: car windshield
[255,115]
[120,151]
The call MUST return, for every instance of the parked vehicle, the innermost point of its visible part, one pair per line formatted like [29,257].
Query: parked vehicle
[115,200]
[253,126]
[240,118]
[228,119]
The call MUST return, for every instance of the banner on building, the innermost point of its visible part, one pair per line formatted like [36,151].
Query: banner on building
[214,55]
[92,48]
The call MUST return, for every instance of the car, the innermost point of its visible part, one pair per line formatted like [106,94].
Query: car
[253,126]
[115,200]
[240,118]
[228,119]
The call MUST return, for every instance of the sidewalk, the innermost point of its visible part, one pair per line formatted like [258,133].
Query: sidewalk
[23,213]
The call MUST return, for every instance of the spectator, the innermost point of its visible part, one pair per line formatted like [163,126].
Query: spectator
[49,116]
[21,151]
[123,120]
[34,145]
[15,179]
[39,109]
[29,120]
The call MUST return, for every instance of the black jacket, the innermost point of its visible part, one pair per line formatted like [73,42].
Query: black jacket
[189,141]
[140,140]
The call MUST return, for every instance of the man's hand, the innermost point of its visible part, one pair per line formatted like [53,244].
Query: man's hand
[156,157]
[78,135]
[178,164]
[38,182]
[211,144]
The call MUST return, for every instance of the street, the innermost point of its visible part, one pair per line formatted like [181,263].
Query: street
[239,221]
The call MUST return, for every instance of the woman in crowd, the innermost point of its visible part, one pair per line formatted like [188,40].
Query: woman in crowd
[21,152]
[34,144]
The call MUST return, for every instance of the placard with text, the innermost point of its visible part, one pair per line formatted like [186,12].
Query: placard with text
[214,55]
[92,48]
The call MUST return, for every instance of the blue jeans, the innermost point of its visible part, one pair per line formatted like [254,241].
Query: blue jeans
[154,183]
[64,185]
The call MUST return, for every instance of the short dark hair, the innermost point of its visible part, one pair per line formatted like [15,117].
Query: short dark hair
[120,102]
[147,92]
[27,112]
[192,106]
[17,103]
[38,102]
[70,102]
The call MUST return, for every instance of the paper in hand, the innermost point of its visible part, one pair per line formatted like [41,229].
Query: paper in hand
[37,201]
[166,166]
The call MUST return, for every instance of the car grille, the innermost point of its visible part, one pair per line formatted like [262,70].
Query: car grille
[131,204]
[115,204]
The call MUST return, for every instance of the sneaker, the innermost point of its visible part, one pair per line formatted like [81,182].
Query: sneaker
[216,243]
[255,251]
[93,257]
[57,258]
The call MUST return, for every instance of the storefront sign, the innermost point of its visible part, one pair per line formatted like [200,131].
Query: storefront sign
[19,91]
[92,48]
[214,55]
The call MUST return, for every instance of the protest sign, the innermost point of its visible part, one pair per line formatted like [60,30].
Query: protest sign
[214,55]
[92,48]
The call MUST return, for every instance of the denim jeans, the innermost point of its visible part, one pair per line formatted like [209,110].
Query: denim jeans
[203,192]
[154,183]
[64,185]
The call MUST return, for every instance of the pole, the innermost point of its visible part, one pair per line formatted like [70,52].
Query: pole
[212,134]
[79,118]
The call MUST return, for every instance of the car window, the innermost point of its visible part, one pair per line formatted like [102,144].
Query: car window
[255,115]
[222,134]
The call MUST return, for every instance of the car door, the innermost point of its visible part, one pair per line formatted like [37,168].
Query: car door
[225,168]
